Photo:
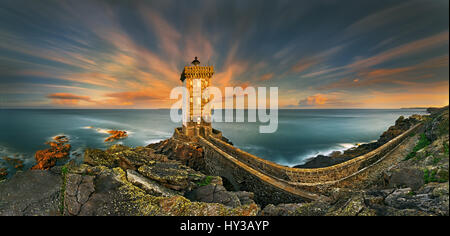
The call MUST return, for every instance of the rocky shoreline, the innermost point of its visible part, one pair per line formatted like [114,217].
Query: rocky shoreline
[401,125]
[167,178]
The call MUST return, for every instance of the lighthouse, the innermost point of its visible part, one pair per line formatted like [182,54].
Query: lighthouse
[196,115]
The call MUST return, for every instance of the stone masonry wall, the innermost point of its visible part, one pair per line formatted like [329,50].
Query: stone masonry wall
[242,178]
[316,175]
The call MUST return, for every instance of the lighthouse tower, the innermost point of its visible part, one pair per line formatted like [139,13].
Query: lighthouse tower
[196,116]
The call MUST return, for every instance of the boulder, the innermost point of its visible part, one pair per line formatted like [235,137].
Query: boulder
[403,199]
[172,175]
[151,187]
[410,177]
[245,197]
[213,193]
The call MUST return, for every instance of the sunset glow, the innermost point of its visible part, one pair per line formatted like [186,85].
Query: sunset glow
[114,54]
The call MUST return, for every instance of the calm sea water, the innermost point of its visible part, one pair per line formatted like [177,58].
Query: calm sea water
[300,134]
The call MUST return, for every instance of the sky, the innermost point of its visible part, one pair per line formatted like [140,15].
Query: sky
[129,54]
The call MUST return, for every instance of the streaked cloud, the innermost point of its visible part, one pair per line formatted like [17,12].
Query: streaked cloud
[68,98]
[113,54]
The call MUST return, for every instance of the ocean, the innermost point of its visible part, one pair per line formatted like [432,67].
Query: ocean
[300,134]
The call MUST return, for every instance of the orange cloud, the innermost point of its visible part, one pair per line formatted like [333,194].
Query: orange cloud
[147,97]
[409,75]
[328,101]
[315,100]
[134,95]
[68,98]
[266,77]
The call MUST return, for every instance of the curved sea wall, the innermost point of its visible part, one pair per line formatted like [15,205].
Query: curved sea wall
[316,175]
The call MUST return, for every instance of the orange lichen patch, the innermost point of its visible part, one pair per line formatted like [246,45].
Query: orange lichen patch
[3,173]
[115,135]
[47,158]
[17,163]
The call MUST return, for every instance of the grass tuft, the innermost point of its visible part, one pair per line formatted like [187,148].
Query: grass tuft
[423,142]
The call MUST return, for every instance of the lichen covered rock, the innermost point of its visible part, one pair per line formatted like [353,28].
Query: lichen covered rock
[47,158]
[115,195]
[96,157]
[172,175]
[115,135]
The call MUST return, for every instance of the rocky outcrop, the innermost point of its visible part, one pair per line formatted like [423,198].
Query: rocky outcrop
[164,179]
[78,190]
[34,192]
[138,181]
[116,135]
[14,162]
[439,124]
[115,195]
[406,177]
[172,175]
[401,125]
[47,158]
[188,153]
[149,186]
[3,173]
[218,194]
[117,181]
[408,185]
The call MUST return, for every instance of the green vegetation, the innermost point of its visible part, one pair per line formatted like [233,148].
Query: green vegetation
[423,142]
[205,181]
[435,176]
[446,148]
[436,160]
[443,127]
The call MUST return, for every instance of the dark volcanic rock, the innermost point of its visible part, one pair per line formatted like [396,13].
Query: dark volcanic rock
[34,192]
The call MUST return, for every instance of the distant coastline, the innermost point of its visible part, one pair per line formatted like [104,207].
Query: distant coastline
[422,108]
